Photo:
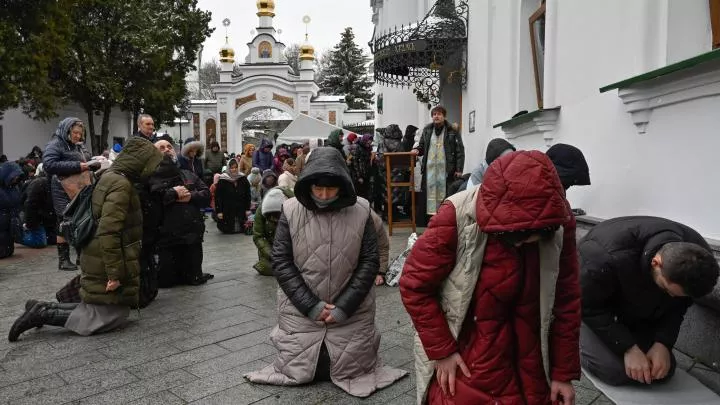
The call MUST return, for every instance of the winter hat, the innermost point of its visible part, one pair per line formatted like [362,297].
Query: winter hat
[254,177]
[496,148]
[571,166]
[273,201]
[117,148]
[352,137]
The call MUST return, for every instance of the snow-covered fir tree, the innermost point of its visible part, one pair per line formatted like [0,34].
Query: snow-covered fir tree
[346,73]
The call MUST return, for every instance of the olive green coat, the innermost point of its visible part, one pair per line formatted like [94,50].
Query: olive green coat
[113,252]
[264,235]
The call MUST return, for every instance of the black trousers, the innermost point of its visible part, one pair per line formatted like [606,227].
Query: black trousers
[609,367]
[179,264]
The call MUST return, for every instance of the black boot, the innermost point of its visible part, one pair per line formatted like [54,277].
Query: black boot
[67,305]
[64,255]
[37,316]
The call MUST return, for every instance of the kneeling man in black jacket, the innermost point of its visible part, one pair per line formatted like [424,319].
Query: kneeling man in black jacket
[639,275]
[182,195]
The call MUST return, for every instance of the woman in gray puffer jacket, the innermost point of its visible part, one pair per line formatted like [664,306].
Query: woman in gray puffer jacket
[65,156]
[325,258]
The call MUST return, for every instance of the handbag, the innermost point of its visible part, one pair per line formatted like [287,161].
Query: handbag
[70,292]
[34,238]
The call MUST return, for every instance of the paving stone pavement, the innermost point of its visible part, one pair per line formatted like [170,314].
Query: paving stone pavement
[192,345]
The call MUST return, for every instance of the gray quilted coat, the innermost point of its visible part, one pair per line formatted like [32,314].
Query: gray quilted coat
[328,255]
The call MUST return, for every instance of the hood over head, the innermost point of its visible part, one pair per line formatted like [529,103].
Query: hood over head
[521,191]
[366,141]
[265,143]
[274,199]
[393,131]
[325,166]
[197,145]
[570,164]
[9,172]
[496,148]
[254,177]
[139,159]
[214,144]
[334,138]
[409,138]
[247,148]
[282,153]
[268,173]
[63,129]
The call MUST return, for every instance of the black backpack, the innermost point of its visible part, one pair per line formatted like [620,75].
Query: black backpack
[80,224]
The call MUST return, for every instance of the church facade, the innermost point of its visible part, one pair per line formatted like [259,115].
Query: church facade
[265,80]
[634,84]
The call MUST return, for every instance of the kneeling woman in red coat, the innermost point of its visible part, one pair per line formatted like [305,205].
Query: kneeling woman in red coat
[492,289]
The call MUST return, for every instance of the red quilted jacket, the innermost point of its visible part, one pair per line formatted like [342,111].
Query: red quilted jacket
[499,340]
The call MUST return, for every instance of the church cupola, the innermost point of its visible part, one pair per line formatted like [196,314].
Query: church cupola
[266,12]
[307,55]
[227,57]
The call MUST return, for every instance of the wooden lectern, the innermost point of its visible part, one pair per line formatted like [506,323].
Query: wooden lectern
[397,156]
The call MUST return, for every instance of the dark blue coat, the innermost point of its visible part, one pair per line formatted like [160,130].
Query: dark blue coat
[10,205]
[61,159]
[261,159]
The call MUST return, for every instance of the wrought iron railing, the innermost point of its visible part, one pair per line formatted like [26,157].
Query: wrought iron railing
[412,56]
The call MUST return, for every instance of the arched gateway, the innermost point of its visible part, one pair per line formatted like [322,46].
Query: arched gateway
[265,80]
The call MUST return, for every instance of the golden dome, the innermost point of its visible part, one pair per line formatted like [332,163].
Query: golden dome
[227,54]
[266,8]
[307,52]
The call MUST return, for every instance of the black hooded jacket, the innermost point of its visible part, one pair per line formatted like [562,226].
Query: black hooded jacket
[326,164]
[619,296]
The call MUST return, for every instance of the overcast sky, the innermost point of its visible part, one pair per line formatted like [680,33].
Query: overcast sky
[329,19]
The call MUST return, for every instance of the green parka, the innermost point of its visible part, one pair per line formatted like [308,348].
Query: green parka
[113,252]
[264,235]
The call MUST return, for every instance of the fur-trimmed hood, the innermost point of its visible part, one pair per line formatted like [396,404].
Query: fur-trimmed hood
[193,145]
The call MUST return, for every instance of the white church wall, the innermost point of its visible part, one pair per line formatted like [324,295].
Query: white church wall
[589,45]
[21,133]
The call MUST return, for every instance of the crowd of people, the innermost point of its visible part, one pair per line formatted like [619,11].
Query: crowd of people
[507,305]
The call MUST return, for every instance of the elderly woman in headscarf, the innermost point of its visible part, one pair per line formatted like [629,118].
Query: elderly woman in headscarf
[325,258]
[65,156]
[232,200]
